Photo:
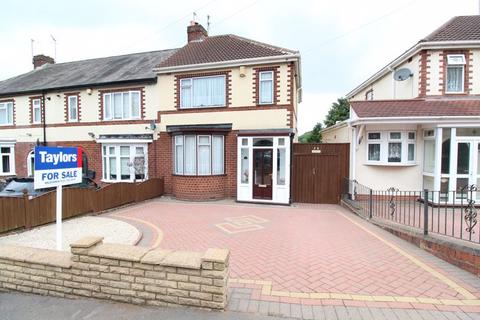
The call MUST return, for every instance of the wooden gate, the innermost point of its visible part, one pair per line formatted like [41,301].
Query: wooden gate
[318,170]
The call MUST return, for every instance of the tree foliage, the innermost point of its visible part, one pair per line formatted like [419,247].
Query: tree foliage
[339,111]
[312,136]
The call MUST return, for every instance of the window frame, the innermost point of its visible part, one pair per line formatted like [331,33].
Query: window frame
[8,106]
[11,160]
[369,95]
[111,107]
[34,106]
[385,139]
[179,140]
[117,156]
[192,93]
[69,108]
[451,64]
[261,81]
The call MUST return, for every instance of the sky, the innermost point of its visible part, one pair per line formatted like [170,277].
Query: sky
[342,42]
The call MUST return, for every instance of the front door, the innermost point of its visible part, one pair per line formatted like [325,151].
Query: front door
[468,166]
[262,173]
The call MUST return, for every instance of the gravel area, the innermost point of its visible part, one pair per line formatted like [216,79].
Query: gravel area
[113,231]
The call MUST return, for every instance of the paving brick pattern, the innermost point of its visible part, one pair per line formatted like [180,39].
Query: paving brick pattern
[316,262]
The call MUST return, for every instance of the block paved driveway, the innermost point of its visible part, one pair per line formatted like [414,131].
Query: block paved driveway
[311,261]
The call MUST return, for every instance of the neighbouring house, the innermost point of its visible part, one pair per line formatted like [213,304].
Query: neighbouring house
[415,124]
[216,118]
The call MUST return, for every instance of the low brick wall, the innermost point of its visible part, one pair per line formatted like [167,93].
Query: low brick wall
[123,273]
[199,188]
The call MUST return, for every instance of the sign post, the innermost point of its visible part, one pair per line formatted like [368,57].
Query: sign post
[57,167]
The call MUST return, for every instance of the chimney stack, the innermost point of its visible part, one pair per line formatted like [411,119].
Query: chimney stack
[40,59]
[196,32]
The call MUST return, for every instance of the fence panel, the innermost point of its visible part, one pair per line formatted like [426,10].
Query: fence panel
[149,189]
[12,213]
[77,201]
[40,210]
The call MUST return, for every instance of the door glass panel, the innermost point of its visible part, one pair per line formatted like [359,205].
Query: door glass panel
[258,168]
[262,142]
[463,158]
[244,165]
[267,167]
[281,166]
[468,132]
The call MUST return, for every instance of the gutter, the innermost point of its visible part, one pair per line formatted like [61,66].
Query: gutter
[416,120]
[410,52]
[230,63]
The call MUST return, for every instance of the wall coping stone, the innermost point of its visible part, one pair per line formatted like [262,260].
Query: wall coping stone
[38,256]
[216,255]
[119,251]
[183,259]
[86,242]
[155,256]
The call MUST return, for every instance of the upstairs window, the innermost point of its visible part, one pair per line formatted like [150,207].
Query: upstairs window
[455,73]
[36,111]
[265,87]
[202,92]
[6,113]
[72,108]
[121,105]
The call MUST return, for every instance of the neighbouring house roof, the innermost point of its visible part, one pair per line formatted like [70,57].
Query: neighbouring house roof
[416,108]
[461,28]
[220,49]
[116,69]
[458,31]
[338,125]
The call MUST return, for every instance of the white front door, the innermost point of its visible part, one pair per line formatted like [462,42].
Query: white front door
[468,166]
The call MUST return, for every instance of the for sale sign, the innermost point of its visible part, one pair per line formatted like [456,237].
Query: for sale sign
[57,166]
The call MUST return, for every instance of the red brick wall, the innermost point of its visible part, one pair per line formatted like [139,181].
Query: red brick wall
[199,187]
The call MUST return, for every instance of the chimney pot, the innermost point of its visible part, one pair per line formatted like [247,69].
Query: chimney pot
[196,32]
[40,59]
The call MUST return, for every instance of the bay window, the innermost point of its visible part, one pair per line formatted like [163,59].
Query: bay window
[6,113]
[7,163]
[198,154]
[124,162]
[455,73]
[391,148]
[121,105]
[265,87]
[203,92]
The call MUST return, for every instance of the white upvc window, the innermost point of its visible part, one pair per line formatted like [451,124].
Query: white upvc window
[36,110]
[72,108]
[369,95]
[124,163]
[121,105]
[7,160]
[265,95]
[203,92]
[6,113]
[455,73]
[198,154]
[391,147]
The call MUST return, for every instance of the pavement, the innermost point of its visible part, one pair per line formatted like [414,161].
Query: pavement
[43,237]
[295,261]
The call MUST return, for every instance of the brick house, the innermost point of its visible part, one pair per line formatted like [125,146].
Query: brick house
[215,118]
[415,124]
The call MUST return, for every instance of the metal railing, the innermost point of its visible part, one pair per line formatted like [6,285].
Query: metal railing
[452,214]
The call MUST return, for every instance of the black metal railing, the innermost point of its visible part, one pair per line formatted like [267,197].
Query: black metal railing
[451,213]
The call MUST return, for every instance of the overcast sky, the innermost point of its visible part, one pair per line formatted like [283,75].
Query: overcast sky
[342,42]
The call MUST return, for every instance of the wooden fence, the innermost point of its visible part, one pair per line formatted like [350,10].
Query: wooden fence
[23,212]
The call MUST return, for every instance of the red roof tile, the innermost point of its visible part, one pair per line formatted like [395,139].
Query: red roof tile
[222,48]
[416,108]
[462,28]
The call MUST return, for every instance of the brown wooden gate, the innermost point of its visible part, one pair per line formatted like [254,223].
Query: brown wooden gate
[318,170]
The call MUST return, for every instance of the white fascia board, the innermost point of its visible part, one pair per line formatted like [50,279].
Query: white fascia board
[226,64]
[417,120]
[407,54]
[124,141]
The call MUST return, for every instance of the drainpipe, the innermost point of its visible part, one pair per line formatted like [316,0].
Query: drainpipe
[291,166]
[43,116]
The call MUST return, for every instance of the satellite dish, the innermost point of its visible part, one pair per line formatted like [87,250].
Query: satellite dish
[402,74]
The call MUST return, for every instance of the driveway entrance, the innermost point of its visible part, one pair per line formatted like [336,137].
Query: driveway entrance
[310,257]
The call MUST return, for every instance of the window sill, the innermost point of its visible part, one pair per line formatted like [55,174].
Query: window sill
[198,175]
[7,174]
[390,164]
[122,181]
[201,108]
[127,119]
